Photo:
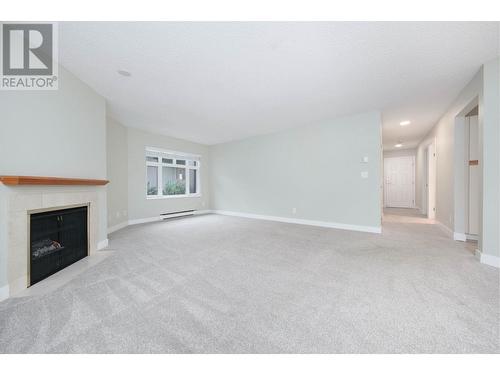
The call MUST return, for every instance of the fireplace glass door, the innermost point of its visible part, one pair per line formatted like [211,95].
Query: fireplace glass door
[57,239]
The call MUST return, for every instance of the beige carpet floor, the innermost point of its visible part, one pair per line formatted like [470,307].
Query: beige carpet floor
[217,284]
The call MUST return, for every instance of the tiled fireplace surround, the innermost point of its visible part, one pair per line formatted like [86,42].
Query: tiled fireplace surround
[19,201]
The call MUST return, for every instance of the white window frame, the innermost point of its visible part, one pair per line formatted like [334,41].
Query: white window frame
[174,155]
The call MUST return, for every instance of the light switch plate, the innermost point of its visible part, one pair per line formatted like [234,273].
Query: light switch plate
[365,159]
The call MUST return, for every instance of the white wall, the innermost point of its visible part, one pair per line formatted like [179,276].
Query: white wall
[139,207]
[53,133]
[117,165]
[315,169]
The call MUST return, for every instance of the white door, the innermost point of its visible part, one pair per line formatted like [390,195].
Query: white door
[399,181]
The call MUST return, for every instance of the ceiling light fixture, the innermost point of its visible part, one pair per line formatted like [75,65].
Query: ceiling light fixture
[405,122]
[124,72]
[399,144]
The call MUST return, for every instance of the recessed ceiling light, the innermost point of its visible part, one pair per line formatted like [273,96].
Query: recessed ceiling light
[124,72]
[398,145]
[404,123]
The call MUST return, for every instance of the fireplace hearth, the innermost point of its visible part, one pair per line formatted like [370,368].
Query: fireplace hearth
[58,238]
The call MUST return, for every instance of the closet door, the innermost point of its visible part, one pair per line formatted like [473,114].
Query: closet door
[399,181]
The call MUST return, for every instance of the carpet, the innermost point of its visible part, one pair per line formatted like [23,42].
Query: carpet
[219,284]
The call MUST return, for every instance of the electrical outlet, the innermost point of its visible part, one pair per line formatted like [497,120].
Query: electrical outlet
[364,174]
[294,210]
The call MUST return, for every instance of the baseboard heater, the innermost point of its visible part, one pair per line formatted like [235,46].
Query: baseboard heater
[169,215]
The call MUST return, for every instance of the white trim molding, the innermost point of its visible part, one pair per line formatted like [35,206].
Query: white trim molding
[4,292]
[444,228]
[459,236]
[325,224]
[144,220]
[203,212]
[152,219]
[490,260]
[102,244]
[172,152]
[472,237]
[464,237]
[116,227]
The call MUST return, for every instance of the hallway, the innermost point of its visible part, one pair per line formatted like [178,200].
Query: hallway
[413,216]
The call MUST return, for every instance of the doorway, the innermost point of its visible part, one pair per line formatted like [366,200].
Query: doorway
[472,174]
[399,181]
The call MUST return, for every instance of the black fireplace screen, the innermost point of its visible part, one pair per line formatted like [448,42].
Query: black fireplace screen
[58,239]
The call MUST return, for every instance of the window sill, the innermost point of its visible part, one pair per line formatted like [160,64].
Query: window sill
[153,197]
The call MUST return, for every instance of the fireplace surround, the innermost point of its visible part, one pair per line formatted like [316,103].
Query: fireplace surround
[18,202]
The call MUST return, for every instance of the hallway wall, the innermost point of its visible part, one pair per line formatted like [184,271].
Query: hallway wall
[483,88]
[491,160]
[443,133]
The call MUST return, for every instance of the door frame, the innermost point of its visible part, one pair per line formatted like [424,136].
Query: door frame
[430,179]
[460,173]
[413,179]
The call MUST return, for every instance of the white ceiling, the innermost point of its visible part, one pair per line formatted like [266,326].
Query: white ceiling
[217,82]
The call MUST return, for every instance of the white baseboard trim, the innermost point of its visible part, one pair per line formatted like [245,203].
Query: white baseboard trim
[152,219]
[459,236]
[144,220]
[325,224]
[490,260]
[102,244]
[421,210]
[464,237]
[477,254]
[472,237]
[116,227]
[203,212]
[4,292]
[444,228]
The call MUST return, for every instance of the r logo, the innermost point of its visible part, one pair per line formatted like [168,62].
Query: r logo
[27,49]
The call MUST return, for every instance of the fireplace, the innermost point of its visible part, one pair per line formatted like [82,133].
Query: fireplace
[57,238]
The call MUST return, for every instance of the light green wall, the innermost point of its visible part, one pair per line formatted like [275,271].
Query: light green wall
[138,206]
[443,133]
[491,158]
[450,194]
[315,169]
[117,165]
[54,133]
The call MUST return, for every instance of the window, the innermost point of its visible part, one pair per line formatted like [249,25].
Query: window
[171,174]
[152,180]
